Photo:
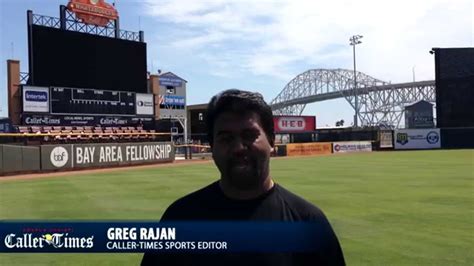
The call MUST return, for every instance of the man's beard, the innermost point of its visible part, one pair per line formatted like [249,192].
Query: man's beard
[245,175]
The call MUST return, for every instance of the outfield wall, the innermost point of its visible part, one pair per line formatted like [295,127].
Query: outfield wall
[15,158]
[80,156]
[457,138]
[313,148]
[321,148]
[351,146]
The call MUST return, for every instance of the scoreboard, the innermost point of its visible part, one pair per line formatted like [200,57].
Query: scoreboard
[92,102]
[65,58]
[85,107]
[454,87]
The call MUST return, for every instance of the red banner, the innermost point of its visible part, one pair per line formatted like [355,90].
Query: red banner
[294,124]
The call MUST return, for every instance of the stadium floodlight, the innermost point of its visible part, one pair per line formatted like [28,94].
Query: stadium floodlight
[354,40]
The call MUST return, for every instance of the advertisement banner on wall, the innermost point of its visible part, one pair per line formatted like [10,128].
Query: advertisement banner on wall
[417,139]
[81,120]
[144,104]
[56,157]
[352,146]
[315,148]
[167,101]
[35,99]
[41,120]
[294,124]
[172,106]
[87,155]
[108,154]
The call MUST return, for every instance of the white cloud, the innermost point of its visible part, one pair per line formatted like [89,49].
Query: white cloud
[278,38]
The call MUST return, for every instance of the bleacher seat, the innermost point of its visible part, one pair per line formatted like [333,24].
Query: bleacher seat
[36,129]
[109,135]
[135,135]
[75,135]
[128,135]
[24,129]
[143,134]
[46,129]
[88,134]
[151,136]
[98,134]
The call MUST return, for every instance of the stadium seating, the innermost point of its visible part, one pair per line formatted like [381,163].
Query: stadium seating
[85,134]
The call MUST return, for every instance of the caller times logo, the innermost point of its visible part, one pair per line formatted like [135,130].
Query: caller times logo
[29,241]
[59,157]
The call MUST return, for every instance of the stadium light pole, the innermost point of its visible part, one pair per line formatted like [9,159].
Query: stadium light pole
[413,70]
[354,40]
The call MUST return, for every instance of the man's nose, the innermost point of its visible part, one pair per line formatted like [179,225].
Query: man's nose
[238,145]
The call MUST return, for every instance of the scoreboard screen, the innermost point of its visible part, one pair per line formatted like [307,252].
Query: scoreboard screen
[454,87]
[91,102]
[64,58]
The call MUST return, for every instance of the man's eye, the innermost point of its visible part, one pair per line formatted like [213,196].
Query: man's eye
[250,136]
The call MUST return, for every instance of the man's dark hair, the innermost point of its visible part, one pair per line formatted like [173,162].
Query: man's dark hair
[239,101]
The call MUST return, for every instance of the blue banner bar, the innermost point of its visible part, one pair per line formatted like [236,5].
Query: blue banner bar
[174,100]
[170,81]
[139,237]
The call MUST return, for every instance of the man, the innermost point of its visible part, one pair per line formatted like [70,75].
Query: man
[240,132]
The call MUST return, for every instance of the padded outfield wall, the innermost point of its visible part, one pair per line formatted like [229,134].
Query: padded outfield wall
[15,158]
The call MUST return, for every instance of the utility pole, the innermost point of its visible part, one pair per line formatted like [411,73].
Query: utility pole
[354,40]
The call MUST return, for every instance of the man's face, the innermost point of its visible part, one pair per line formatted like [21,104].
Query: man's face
[241,149]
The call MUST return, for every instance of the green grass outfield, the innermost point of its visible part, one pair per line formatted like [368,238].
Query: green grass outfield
[388,208]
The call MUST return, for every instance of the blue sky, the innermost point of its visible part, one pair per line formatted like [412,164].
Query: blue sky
[262,45]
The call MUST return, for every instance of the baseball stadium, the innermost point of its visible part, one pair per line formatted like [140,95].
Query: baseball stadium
[92,135]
